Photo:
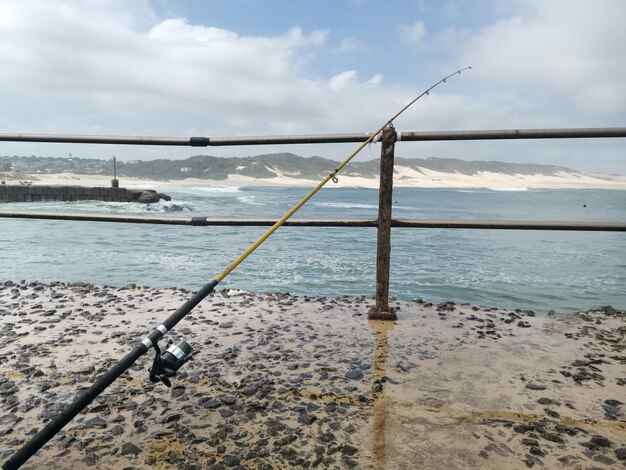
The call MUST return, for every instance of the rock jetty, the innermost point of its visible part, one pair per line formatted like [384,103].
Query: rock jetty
[36,193]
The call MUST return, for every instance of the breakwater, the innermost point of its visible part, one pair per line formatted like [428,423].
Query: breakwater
[35,193]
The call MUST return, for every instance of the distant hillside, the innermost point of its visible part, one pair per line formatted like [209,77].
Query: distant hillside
[261,166]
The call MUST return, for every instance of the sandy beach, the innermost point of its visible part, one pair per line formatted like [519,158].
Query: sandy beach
[403,177]
[279,381]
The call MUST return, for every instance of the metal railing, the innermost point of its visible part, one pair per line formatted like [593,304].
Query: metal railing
[383,223]
[354,223]
[414,136]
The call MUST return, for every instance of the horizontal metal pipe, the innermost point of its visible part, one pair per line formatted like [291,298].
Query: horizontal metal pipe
[606,132]
[573,133]
[262,222]
[186,141]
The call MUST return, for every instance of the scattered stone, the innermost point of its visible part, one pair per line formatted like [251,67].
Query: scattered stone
[96,422]
[531,460]
[612,409]
[117,430]
[600,441]
[171,418]
[535,450]
[306,418]
[552,437]
[347,449]
[530,442]
[535,386]
[552,413]
[128,448]
[547,401]
[354,374]
[447,306]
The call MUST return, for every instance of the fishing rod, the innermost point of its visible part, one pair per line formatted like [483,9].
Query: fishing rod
[166,363]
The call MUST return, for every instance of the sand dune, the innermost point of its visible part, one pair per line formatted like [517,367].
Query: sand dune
[403,177]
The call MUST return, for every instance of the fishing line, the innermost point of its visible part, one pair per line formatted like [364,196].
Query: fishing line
[166,363]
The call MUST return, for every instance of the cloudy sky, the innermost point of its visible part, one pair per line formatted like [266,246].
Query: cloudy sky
[266,67]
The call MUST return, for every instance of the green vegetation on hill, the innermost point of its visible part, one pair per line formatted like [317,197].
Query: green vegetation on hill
[261,166]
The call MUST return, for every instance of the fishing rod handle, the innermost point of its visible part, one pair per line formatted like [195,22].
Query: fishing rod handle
[81,402]
[56,424]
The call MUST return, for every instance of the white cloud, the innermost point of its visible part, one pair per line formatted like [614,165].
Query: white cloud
[569,49]
[114,67]
[48,49]
[376,80]
[413,33]
[342,80]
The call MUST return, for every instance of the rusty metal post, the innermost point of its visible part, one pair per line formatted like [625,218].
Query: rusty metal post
[381,310]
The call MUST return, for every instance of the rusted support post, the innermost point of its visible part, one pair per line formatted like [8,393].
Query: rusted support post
[381,310]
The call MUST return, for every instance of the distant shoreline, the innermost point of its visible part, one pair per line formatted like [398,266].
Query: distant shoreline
[404,177]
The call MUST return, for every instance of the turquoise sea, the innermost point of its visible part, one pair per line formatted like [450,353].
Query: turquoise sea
[539,270]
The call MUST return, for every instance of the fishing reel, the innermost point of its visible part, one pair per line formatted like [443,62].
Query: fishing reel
[167,363]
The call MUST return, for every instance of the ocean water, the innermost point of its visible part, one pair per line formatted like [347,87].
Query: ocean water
[538,270]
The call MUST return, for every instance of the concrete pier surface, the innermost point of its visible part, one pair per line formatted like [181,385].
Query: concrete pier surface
[279,381]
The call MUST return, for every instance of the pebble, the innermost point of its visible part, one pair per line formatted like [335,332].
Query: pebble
[347,449]
[600,441]
[530,442]
[231,460]
[306,418]
[613,407]
[535,386]
[128,448]
[354,374]
[172,418]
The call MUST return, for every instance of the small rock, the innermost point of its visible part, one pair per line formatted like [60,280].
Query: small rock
[551,413]
[347,449]
[354,374]
[231,460]
[306,418]
[613,412]
[96,422]
[530,442]
[552,437]
[171,418]
[117,430]
[600,441]
[531,460]
[546,401]
[534,450]
[129,448]
[534,386]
